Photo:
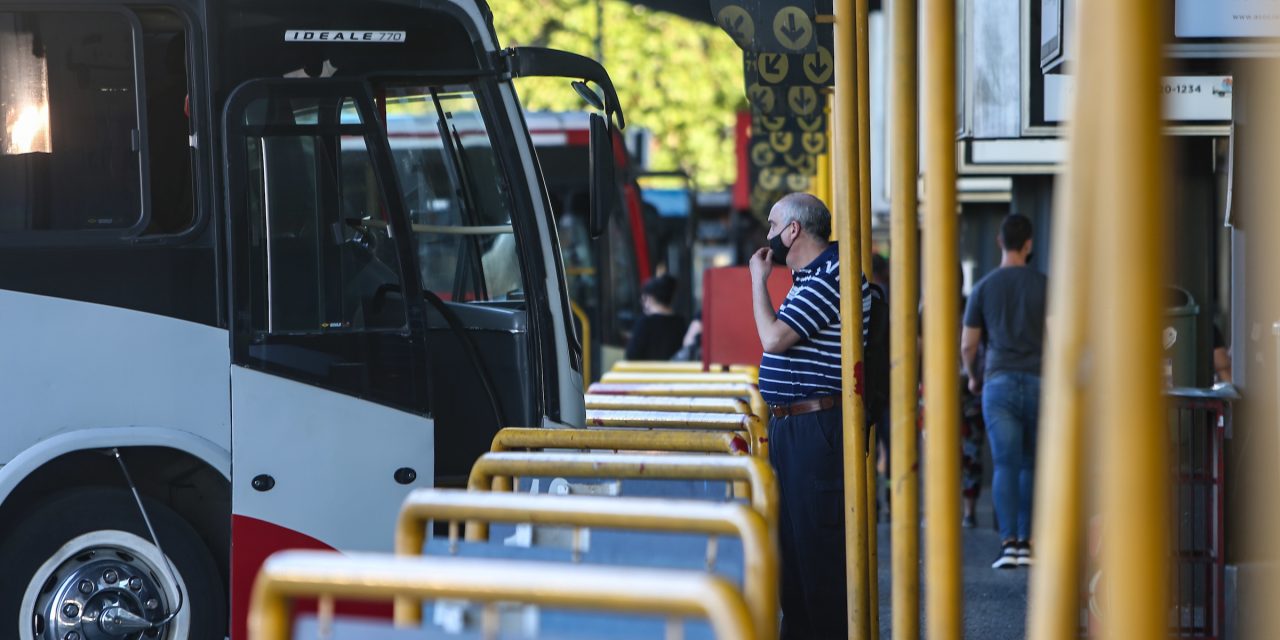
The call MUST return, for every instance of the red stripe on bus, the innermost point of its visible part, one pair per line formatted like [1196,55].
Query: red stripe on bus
[252,541]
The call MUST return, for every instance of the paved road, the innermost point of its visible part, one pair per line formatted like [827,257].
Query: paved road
[995,602]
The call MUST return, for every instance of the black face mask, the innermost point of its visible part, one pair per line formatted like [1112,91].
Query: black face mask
[780,250]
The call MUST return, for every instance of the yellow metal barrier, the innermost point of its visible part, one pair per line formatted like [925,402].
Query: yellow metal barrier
[756,472]
[330,576]
[674,366]
[760,565]
[517,438]
[659,403]
[688,390]
[755,429]
[676,377]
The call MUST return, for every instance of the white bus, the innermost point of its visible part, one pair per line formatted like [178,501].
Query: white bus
[226,282]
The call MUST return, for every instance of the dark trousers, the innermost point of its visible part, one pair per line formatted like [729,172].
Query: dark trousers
[807,453]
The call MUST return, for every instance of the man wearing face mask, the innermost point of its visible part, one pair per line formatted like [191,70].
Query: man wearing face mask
[800,380]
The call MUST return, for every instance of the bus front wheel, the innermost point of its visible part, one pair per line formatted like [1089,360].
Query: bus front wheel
[83,565]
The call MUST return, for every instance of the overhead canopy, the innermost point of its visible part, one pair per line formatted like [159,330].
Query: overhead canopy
[700,10]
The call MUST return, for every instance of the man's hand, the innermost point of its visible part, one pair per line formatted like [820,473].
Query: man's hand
[975,387]
[761,264]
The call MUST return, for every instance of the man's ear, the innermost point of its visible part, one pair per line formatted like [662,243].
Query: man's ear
[1027,247]
[1000,240]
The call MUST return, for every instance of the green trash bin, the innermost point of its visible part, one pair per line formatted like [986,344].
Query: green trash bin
[1179,338]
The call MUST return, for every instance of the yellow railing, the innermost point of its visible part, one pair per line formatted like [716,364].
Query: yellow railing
[331,576]
[755,429]
[519,438]
[666,366]
[760,566]
[676,377]
[659,403]
[755,472]
[688,390]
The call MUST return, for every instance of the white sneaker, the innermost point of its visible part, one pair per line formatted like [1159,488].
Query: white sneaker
[1022,551]
[1008,558]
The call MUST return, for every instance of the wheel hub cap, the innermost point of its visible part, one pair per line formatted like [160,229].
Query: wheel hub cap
[100,594]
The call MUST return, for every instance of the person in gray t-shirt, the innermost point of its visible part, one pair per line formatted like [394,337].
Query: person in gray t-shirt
[1006,313]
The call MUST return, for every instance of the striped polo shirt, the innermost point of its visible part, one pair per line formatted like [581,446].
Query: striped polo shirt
[811,368]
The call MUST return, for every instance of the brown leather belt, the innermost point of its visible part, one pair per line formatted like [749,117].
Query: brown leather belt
[811,405]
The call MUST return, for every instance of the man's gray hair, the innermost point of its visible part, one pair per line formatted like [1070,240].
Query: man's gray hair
[809,211]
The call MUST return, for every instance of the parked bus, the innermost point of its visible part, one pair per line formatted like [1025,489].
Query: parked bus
[605,273]
[230,281]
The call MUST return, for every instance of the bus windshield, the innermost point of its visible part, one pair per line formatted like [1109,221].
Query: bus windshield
[455,191]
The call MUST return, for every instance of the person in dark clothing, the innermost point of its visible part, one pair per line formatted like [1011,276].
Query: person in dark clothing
[800,379]
[658,334]
[1006,311]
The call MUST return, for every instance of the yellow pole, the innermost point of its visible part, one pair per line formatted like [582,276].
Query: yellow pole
[904,273]
[862,39]
[1053,612]
[873,560]
[941,326]
[845,158]
[1122,45]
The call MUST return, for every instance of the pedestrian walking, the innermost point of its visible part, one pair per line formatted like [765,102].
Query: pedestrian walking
[1005,313]
[800,380]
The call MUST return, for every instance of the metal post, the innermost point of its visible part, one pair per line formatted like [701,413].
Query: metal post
[941,325]
[1054,609]
[848,229]
[1122,45]
[904,269]
[873,560]
[862,39]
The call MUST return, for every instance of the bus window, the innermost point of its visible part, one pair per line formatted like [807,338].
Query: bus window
[68,123]
[325,260]
[576,247]
[624,280]
[170,156]
[455,191]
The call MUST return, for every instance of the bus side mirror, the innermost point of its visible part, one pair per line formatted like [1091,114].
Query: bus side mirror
[604,181]
[530,62]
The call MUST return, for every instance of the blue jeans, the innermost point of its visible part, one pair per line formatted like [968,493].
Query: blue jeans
[1011,409]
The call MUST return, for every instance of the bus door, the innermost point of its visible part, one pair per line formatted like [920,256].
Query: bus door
[329,395]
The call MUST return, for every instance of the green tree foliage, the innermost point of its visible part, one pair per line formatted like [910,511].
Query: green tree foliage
[680,79]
